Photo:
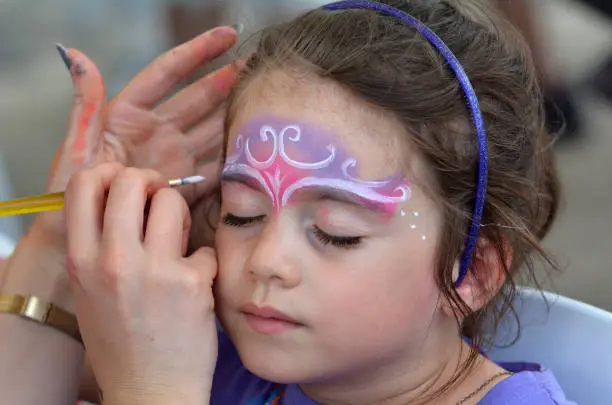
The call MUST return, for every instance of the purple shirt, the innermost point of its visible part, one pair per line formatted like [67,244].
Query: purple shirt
[233,384]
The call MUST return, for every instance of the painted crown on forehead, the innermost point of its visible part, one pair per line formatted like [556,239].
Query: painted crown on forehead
[280,175]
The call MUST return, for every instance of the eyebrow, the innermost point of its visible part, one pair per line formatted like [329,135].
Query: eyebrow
[315,193]
[242,179]
[344,197]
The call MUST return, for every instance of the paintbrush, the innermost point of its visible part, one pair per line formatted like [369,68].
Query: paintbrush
[55,201]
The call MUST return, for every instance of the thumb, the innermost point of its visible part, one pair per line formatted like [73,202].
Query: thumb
[87,118]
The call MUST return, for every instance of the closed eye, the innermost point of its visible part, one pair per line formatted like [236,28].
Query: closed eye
[344,242]
[236,221]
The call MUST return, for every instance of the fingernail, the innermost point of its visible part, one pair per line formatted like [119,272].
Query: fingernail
[238,28]
[64,54]
[223,33]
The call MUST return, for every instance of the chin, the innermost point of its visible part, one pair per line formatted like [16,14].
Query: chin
[277,364]
[270,364]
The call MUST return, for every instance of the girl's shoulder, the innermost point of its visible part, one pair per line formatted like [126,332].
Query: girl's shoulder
[530,385]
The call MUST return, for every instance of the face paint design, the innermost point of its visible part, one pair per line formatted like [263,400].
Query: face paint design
[284,157]
[415,215]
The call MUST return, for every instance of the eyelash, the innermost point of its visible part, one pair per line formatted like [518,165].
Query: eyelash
[239,222]
[343,242]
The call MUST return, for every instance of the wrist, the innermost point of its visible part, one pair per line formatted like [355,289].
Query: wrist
[137,397]
[37,267]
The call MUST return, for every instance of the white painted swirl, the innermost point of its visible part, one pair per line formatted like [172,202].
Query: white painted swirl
[265,133]
[296,139]
[352,162]
[235,155]
[360,190]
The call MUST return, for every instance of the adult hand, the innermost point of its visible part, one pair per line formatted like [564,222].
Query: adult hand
[146,311]
[137,128]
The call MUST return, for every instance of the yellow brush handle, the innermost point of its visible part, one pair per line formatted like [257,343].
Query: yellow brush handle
[31,205]
[55,201]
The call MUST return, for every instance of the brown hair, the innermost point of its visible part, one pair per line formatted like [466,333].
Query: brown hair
[391,66]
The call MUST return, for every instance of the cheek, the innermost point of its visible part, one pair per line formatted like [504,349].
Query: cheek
[232,255]
[384,301]
[385,305]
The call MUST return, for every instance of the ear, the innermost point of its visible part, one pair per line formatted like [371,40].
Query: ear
[485,278]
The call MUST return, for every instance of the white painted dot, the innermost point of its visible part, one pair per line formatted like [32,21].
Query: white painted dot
[423,237]
[413,226]
[403,213]
[415,213]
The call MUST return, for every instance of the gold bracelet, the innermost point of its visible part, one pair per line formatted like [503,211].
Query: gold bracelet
[37,310]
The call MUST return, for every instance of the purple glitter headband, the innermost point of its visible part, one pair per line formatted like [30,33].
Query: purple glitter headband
[473,104]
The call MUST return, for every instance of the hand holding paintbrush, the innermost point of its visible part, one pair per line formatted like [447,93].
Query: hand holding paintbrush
[55,201]
[141,127]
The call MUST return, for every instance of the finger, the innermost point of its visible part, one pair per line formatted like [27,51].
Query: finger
[207,136]
[168,224]
[190,105]
[155,81]
[125,207]
[86,121]
[205,261]
[84,201]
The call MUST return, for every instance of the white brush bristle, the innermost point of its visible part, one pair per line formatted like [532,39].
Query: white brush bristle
[193,179]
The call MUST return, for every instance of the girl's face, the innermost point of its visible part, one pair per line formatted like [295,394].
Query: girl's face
[326,246]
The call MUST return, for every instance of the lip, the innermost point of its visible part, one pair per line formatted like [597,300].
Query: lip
[268,320]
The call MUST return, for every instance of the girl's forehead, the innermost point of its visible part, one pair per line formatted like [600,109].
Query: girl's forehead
[327,116]
[281,156]
[312,144]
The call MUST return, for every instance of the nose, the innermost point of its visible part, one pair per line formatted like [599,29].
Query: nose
[271,260]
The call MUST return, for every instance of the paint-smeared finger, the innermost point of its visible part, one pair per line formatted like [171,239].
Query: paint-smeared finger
[198,100]
[86,122]
[152,84]
[207,136]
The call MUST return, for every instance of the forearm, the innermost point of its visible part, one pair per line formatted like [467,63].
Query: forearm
[38,364]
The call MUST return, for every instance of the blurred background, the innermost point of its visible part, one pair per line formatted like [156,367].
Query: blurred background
[572,41]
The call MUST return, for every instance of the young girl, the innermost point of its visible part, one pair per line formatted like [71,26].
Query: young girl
[386,176]
[351,187]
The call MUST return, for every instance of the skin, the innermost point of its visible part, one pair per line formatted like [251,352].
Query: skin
[175,137]
[139,300]
[80,143]
[385,283]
